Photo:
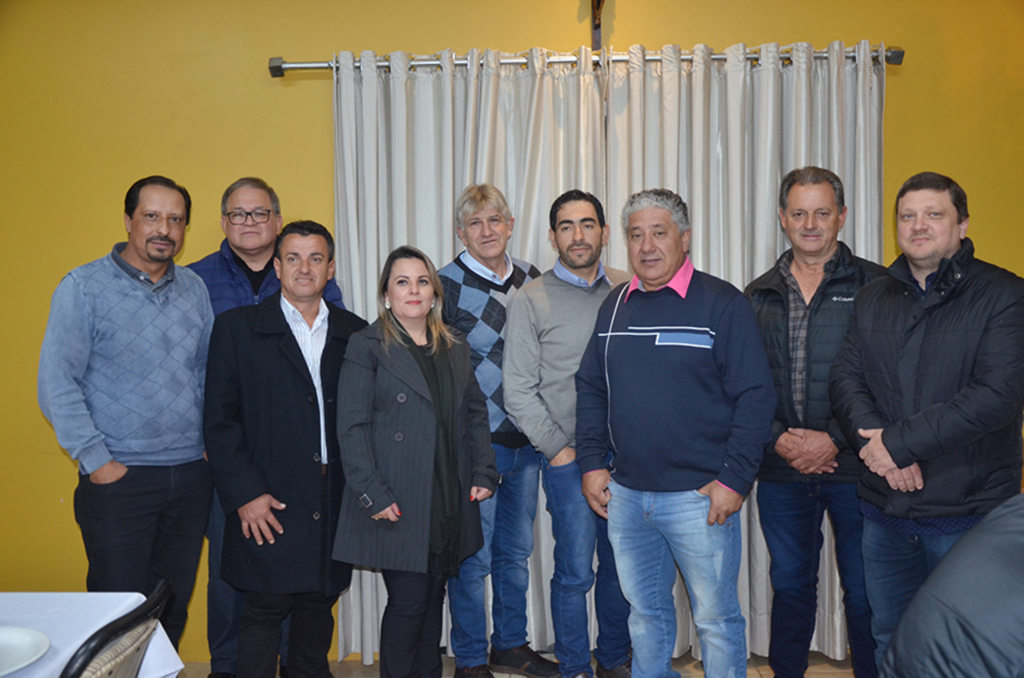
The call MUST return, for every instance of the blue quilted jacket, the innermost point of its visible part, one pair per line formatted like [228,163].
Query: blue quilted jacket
[229,287]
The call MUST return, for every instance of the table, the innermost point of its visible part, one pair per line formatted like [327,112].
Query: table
[70,618]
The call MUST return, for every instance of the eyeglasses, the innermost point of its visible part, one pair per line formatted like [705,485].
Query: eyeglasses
[259,216]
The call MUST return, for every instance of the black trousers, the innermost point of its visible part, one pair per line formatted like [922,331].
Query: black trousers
[309,640]
[145,527]
[410,633]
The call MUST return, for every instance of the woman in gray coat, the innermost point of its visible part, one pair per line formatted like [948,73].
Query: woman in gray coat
[415,448]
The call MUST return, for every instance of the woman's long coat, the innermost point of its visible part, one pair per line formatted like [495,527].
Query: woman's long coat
[387,428]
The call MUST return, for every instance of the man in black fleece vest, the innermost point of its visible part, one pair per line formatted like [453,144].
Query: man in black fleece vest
[803,307]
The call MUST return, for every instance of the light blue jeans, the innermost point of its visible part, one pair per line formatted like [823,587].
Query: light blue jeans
[651,533]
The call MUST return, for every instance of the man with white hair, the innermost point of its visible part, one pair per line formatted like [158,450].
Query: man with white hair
[478,287]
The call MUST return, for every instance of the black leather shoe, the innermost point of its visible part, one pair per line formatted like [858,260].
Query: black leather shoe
[282,671]
[624,670]
[480,671]
[523,661]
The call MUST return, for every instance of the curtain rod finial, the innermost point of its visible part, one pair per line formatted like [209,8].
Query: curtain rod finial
[276,67]
[894,56]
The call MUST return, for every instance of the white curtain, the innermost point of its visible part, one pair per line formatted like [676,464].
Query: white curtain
[720,132]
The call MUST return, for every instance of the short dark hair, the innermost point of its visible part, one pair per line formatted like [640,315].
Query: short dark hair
[933,181]
[811,175]
[304,228]
[250,182]
[576,195]
[131,199]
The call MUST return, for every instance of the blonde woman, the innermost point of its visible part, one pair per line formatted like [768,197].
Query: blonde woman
[415,448]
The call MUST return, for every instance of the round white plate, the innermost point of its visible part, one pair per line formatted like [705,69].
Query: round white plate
[20,647]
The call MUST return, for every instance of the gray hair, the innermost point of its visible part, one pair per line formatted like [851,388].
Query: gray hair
[661,198]
[250,182]
[478,197]
[810,175]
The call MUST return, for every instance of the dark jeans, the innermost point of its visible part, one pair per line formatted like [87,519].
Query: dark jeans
[791,515]
[224,603]
[410,633]
[145,527]
[895,567]
[259,634]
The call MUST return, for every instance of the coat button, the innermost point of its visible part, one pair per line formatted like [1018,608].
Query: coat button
[316,457]
[316,515]
[402,397]
[312,399]
[399,437]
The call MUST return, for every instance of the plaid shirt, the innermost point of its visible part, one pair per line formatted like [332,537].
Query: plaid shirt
[798,321]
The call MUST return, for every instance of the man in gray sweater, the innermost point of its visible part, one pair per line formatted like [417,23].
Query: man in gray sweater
[549,324]
[121,377]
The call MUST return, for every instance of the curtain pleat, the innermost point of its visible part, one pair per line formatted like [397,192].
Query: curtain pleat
[721,133]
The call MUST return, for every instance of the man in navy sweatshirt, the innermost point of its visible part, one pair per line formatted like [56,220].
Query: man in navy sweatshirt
[675,383]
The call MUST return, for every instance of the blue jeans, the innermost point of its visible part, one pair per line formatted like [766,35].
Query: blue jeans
[791,515]
[651,533]
[577,530]
[895,566]
[224,603]
[508,542]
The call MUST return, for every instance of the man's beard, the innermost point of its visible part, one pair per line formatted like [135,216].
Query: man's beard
[587,263]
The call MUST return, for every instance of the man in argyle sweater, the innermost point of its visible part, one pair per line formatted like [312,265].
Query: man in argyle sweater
[478,287]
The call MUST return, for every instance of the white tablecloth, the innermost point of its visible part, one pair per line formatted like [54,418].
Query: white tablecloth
[68,619]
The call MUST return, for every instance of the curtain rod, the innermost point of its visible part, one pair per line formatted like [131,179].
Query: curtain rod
[893,56]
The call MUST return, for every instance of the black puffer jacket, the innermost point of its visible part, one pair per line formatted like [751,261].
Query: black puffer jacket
[829,315]
[943,375]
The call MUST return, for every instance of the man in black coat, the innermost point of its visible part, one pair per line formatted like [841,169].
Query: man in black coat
[270,421]
[929,387]
[803,307]
[967,620]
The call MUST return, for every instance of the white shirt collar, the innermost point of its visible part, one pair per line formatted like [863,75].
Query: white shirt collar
[484,272]
[291,314]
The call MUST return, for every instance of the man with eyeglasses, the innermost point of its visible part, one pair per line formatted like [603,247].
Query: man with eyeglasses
[241,273]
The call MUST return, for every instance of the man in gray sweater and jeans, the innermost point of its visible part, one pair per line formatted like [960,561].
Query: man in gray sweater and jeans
[549,324]
[121,377]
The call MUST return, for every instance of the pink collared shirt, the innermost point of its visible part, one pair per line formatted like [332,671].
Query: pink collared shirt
[680,282]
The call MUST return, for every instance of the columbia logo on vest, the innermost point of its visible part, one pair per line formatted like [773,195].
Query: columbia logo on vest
[842,298]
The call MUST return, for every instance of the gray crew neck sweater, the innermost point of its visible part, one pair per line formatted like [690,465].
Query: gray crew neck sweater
[549,324]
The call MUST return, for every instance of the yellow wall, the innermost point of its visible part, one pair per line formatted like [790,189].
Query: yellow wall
[95,94]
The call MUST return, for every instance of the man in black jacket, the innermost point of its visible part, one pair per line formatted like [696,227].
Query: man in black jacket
[929,386]
[966,621]
[803,306]
[270,429]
